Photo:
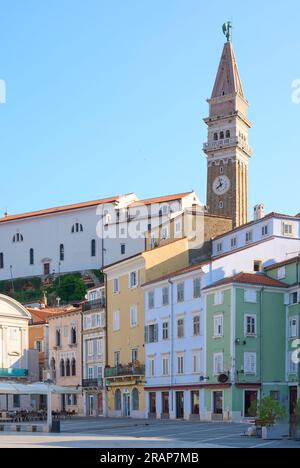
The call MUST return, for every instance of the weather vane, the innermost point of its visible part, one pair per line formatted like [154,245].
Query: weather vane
[227,30]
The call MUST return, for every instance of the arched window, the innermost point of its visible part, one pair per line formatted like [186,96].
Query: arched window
[61,252]
[118,400]
[77,227]
[73,366]
[62,368]
[73,336]
[216,136]
[227,133]
[68,368]
[18,238]
[93,248]
[221,135]
[52,364]
[135,400]
[31,257]
[58,337]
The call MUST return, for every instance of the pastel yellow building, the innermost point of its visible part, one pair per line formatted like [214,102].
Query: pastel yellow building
[125,370]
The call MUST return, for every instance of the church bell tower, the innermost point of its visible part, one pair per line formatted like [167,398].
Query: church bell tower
[227,149]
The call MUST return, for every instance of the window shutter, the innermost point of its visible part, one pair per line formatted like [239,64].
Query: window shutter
[146,334]
[156,333]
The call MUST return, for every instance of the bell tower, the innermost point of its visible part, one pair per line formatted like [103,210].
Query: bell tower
[227,149]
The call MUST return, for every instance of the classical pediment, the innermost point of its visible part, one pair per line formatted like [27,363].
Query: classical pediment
[11,308]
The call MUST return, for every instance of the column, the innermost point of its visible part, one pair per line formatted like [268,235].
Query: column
[158,405]
[187,404]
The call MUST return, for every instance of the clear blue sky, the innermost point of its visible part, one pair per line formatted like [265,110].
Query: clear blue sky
[107,97]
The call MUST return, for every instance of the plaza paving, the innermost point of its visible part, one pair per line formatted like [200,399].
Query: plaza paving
[122,433]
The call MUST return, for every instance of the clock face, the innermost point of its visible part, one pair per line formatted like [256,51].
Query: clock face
[221,185]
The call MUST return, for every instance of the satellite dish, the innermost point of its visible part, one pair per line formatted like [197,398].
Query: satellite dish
[223,378]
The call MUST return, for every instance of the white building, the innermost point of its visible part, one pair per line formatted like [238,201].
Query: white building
[93,352]
[175,350]
[17,362]
[83,236]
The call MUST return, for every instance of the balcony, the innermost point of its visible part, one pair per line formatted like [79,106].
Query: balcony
[98,304]
[125,371]
[13,373]
[93,383]
[226,143]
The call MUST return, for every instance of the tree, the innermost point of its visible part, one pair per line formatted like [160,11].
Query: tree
[270,411]
[70,288]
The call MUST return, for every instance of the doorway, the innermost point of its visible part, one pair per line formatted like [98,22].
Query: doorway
[179,405]
[250,407]
[126,405]
[152,405]
[293,399]
[165,397]
[91,405]
[218,405]
[63,402]
[100,404]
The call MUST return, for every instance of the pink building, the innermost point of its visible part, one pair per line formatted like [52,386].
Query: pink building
[65,358]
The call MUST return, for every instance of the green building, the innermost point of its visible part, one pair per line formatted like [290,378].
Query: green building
[250,331]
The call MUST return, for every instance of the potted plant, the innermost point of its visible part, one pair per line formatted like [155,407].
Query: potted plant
[295,421]
[269,412]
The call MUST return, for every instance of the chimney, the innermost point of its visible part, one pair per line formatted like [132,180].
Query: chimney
[259,212]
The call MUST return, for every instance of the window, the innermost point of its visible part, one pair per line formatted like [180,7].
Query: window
[233,242]
[151,364]
[58,338]
[178,227]
[93,248]
[294,298]
[73,367]
[165,331]
[151,304]
[257,266]
[197,288]
[293,327]
[196,325]
[123,249]
[1,261]
[287,229]
[216,136]
[281,274]
[250,296]
[117,357]
[196,362]
[221,170]
[275,395]
[116,286]
[134,355]
[31,257]
[133,279]
[180,364]
[180,328]
[76,228]
[218,298]
[250,363]
[151,333]
[18,238]
[218,363]
[52,364]
[165,365]
[265,230]
[116,320]
[165,296]
[227,133]
[73,335]
[39,346]
[221,205]
[90,348]
[195,402]
[293,366]
[164,234]
[16,401]
[250,325]
[62,368]
[133,316]
[118,400]
[135,400]
[249,236]
[219,247]
[68,368]
[221,135]
[99,346]
[218,326]
[180,292]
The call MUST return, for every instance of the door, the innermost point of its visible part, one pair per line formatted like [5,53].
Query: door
[63,402]
[218,405]
[152,404]
[91,405]
[165,405]
[126,405]
[46,269]
[251,398]
[100,404]
[179,405]
[293,399]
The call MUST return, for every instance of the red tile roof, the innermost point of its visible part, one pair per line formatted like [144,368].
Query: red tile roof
[150,201]
[249,278]
[42,315]
[59,209]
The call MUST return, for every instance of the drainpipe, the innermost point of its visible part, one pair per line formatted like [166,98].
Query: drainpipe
[172,345]
[261,338]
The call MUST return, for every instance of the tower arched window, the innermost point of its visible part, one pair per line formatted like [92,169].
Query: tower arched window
[135,400]
[118,400]
[73,336]
[221,135]
[58,338]
[61,252]
[76,228]
[62,368]
[68,368]
[18,238]
[52,364]
[227,133]
[216,136]
[93,248]
[73,367]
[31,257]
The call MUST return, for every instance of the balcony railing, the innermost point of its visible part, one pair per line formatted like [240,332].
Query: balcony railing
[13,373]
[227,142]
[121,371]
[92,383]
[94,305]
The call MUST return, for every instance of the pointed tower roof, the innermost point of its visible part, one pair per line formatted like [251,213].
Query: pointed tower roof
[228,80]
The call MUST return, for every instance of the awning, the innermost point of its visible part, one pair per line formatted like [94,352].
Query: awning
[39,388]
